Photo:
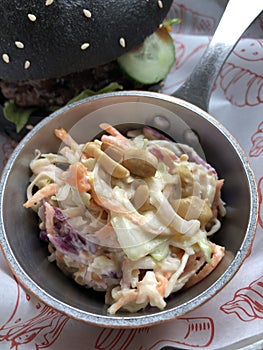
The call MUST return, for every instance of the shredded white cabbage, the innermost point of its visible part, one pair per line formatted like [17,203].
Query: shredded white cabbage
[139,238]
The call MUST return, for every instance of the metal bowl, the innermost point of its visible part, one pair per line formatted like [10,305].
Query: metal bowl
[184,122]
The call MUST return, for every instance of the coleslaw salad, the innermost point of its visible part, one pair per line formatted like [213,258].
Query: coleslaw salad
[131,216]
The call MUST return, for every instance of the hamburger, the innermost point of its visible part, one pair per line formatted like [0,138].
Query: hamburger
[54,52]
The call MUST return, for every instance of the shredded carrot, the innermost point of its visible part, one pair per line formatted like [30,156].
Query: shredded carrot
[49,218]
[77,175]
[66,138]
[218,253]
[122,145]
[44,192]
[162,283]
[122,301]
[112,131]
[109,204]
[115,138]
[167,274]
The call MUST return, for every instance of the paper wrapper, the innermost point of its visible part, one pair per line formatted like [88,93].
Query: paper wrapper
[236,313]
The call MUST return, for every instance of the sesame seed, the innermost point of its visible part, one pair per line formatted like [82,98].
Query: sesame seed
[27,64]
[5,58]
[160,4]
[49,2]
[84,46]
[19,44]
[31,17]
[87,13]
[122,42]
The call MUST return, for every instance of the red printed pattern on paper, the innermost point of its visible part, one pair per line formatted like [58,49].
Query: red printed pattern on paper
[40,330]
[247,303]
[260,198]
[193,22]
[195,332]
[257,142]
[252,52]
[241,86]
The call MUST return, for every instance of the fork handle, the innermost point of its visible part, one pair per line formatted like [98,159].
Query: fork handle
[237,17]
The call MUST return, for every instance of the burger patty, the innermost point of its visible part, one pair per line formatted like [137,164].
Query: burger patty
[44,94]
[57,92]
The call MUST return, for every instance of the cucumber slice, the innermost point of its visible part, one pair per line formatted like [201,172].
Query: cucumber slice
[150,62]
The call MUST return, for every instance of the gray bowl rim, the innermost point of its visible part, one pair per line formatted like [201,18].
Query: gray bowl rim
[160,316]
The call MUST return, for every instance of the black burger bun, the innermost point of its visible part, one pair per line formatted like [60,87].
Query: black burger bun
[43,39]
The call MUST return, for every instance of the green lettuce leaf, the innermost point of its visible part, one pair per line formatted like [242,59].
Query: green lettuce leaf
[20,115]
[206,249]
[171,22]
[16,114]
[88,92]
[161,251]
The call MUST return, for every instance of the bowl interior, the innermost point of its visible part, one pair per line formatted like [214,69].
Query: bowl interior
[27,255]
